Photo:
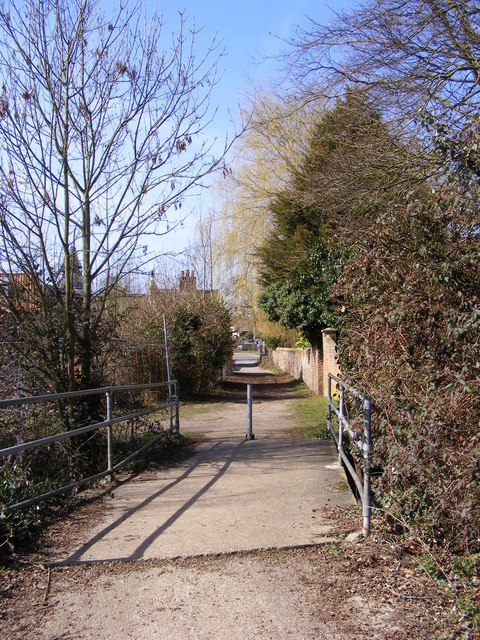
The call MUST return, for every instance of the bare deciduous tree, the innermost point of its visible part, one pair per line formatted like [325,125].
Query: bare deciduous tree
[417,57]
[204,252]
[102,131]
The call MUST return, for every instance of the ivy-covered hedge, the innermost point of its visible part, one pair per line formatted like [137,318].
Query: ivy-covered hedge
[410,335]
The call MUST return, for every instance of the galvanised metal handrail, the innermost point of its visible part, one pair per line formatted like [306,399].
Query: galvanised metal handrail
[172,403]
[363,443]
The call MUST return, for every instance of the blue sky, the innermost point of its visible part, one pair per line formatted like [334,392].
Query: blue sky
[251,34]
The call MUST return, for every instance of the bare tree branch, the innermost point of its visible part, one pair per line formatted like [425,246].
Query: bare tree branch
[102,133]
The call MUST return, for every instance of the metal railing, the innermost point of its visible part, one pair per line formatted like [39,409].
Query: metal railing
[108,423]
[361,441]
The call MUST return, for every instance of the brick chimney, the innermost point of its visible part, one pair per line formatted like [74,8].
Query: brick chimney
[187,281]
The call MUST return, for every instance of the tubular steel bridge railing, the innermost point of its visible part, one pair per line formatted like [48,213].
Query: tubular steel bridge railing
[110,420]
[362,442]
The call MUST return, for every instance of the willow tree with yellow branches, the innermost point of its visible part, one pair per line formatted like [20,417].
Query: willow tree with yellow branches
[270,151]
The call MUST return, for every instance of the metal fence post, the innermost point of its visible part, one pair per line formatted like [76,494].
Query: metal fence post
[177,420]
[340,427]
[169,374]
[367,413]
[250,435]
[109,423]
[108,396]
[329,403]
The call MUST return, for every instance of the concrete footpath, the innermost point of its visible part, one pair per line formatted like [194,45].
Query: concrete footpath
[233,495]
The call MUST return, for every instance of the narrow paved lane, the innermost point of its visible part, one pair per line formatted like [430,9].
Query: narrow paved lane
[234,494]
[174,526]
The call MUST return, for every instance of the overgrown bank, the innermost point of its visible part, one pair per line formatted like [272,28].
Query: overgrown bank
[405,296]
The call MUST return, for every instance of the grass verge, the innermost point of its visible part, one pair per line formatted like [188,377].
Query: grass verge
[310,413]
[188,409]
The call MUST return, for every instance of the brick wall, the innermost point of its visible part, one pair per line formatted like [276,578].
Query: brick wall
[310,365]
[330,364]
[289,360]
[302,364]
[313,369]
